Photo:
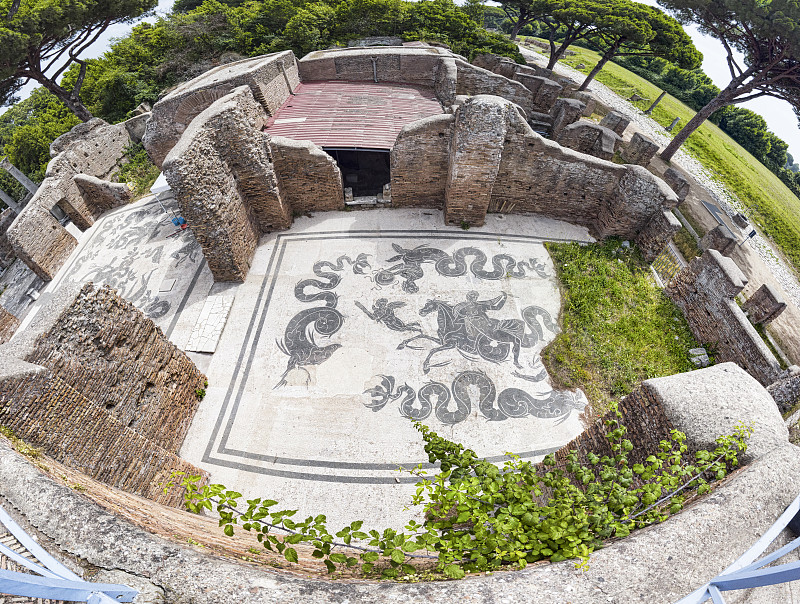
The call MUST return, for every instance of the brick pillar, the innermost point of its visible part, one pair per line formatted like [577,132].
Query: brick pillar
[639,151]
[720,239]
[765,305]
[654,237]
[677,183]
[480,130]
[615,121]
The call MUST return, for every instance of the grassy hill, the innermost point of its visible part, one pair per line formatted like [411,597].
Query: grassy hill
[772,205]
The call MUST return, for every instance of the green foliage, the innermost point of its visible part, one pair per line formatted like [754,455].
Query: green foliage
[686,244]
[28,128]
[479,517]
[772,205]
[618,327]
[43,37]
[138,170]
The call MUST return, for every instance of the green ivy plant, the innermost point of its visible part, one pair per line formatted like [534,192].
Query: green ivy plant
[481,517]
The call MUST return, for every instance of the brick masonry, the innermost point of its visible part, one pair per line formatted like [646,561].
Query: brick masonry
[48,413]
[659,230]
[615,121]
[264,76]
[223,178]
[419,162]
[94,148]
[765,305]
[111,353]
[308,178]
[8,325]
[640,150]
[705,292]
[719,238]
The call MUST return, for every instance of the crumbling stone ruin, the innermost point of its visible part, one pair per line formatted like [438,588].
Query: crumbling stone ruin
[234,180]
[705,291]
[719,238]
[97,386]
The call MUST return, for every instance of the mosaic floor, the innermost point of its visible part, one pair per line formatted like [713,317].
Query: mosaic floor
[346,329]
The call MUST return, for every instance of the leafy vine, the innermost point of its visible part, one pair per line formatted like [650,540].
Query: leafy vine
[481,517]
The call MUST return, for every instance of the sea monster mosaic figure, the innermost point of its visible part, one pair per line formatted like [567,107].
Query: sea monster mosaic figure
[301,334]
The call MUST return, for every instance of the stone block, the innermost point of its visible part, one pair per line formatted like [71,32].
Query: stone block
[741,220]
[587,99]
[640,150]
[709,403]
[719,238]
[565,112]
[271,78]
[677,183]
[8,325]
[656,235]
[101,195]
[587,137]
[765,305]
[615,121]
[419,162]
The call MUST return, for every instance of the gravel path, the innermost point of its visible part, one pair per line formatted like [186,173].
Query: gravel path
[721,195]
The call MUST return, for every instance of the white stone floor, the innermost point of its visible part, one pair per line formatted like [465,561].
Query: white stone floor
[309,387]
[307,391]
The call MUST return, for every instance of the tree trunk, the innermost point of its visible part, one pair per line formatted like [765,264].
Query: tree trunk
[655,103]
[71,101]
[515,29]
[600,64]
[701,116]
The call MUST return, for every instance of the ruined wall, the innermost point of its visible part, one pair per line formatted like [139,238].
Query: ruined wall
[94,148]
[8,325]
[48,413]
[446,81]
[37,237]
[419,162]
[765,305]
[264,76]
[473,81]
[392,64]
[6,251]
[111,353]
[653,238]
[544,90]
[590,138]
[704,291]
[224,181]
[539,176]
[308,178]
[476,150]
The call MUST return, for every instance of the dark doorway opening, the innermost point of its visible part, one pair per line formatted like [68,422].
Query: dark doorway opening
[364,170]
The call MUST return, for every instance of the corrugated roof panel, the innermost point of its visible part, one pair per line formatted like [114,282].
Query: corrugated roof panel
[368,115]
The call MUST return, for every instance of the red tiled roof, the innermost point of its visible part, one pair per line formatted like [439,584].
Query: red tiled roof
[352,114]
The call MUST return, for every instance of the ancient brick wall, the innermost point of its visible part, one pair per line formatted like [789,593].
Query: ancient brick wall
[94,148]
[48,413]
[392,64]
[765,305]
[704,291]
[264,76]
[8,325]
[419,162]
[224,181]
[653,238]
[640,150]
[110,352]
[6,251]
[308,178]
[474,81]
[446,81]
[475,154]
[637,197]
[544,91]
[643,416]
[36,236]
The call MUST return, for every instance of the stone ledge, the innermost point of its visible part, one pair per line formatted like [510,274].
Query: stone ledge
[660,563]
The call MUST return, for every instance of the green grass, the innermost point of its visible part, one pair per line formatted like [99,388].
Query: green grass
[139,171]
[686,244]
[772,205]
[618,327]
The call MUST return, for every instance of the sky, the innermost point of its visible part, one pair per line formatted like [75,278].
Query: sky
[778,114]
